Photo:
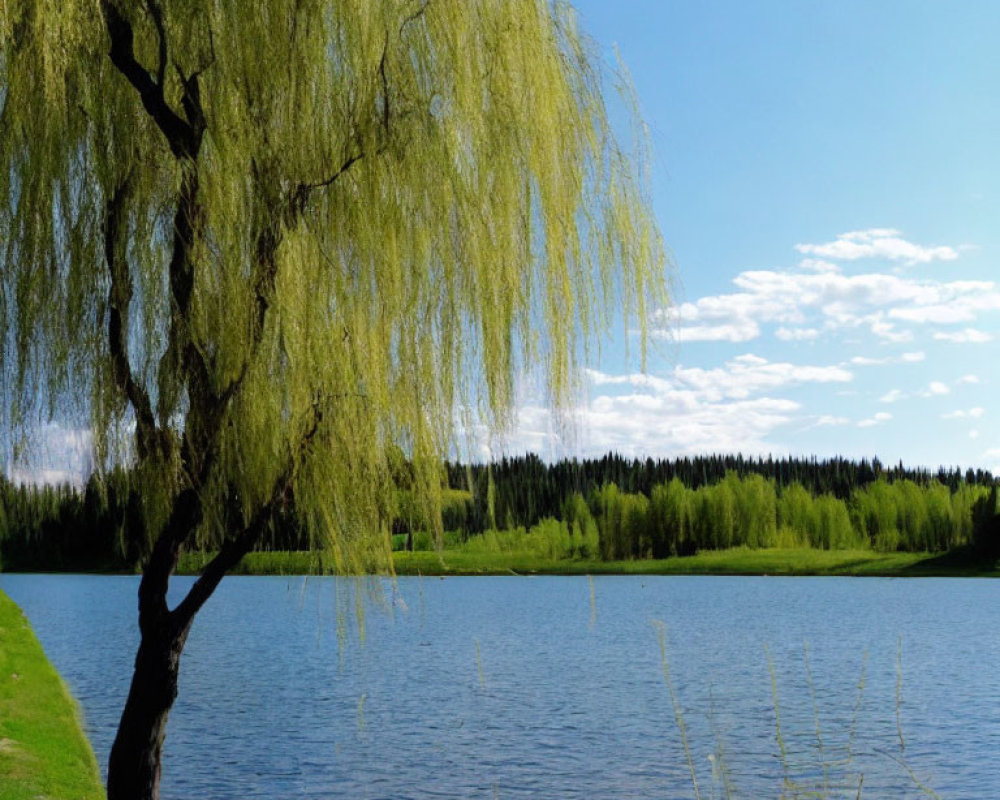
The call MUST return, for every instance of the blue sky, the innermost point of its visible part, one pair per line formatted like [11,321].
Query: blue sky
[826,178]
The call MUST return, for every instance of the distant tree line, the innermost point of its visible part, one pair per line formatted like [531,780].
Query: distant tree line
[522,490]
[64,527]
[609,508]
[752,512]
[61,526]
[657,508]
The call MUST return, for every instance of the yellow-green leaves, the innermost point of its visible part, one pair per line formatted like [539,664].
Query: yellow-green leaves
[395,207]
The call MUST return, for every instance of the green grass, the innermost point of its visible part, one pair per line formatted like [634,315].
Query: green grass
[263,563]
[712,562]
[44,754]
[739,561]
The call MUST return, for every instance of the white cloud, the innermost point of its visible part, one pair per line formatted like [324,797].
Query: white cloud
[936,389]
[972,413]
[827,419]
[973,434]
[968,379]
[939,314]
[886,330]
[742,331]
[866,361]
[869,234]
[748,374]
[735,407]
[805,304]
[905,358]
[56,454]
[797,334]
[872,309]
[41,476]
[967,336]
[818,265]
[992,459]
[881,243]
[718,318]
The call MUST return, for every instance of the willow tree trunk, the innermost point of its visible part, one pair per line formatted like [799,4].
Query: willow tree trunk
[134,765]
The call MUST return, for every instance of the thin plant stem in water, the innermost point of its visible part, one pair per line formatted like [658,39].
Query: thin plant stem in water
[899,695]
[420,593]
[777,717]
[661,631]
[593,601]
[927,790]
[857,710]
[479,666]
[359,609]
[361,713]
[720,772]
[819,735]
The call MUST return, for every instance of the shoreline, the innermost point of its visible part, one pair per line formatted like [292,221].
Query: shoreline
[798,562]
[43,749]
[793,562]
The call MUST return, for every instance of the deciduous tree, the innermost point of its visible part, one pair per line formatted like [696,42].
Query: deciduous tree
[255,246]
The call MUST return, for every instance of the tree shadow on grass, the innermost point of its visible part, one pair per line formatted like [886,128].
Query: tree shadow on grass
[960,562]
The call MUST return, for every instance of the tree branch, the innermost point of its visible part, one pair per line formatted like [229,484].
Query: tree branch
[234,549]
[191,103]
[179,134]
[415,15]
[119,300]
[184,138]
[157,14]
[385,85]
[185,516]
[302,192]
[228,557]
[268,241]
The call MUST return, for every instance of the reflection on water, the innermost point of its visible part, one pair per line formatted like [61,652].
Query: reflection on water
[554,687]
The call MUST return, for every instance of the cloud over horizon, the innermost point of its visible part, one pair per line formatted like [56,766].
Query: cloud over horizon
[691,410]
[817,298]
[864,337]
[878,243]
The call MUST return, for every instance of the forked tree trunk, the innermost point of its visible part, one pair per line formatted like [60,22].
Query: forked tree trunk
[134,765]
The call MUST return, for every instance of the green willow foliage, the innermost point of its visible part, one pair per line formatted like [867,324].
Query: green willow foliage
[753,512]
[750,512]
[260,246]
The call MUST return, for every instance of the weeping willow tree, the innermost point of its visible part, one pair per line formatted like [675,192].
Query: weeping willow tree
[258,250]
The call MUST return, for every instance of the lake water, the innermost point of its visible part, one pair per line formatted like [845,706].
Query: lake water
[552,687]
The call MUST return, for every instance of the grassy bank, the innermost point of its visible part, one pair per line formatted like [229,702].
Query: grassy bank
[738,561]
[43,752]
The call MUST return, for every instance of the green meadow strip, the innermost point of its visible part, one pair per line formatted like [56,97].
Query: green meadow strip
[43,751]
[734,561]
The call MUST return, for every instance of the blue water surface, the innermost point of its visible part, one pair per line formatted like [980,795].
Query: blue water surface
[553,687]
